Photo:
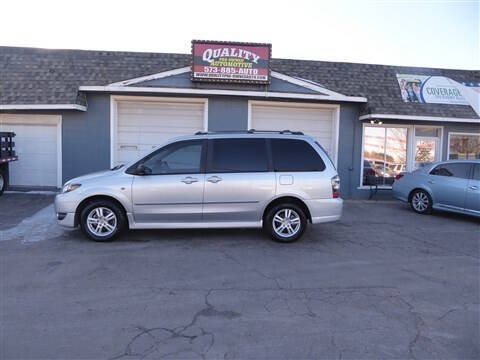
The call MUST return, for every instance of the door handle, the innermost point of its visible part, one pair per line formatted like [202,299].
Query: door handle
[214,179]
[189,180]
[473,187]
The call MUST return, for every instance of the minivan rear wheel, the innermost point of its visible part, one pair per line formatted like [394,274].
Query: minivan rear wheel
[102,220]
[285,222]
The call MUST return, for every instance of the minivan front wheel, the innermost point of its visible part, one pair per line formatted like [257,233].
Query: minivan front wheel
[421,202]
[102,220]
[285,222]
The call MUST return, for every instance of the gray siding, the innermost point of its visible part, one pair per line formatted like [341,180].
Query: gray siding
[227,113]
[349,156]
[86,138]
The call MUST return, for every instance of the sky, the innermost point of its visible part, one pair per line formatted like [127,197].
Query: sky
[401,32]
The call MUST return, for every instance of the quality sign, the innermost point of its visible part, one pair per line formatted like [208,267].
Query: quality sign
[231,62]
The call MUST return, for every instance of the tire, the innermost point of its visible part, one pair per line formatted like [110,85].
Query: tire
[112,220]
[3,184]
[421,202]
[277,216]
[3,180]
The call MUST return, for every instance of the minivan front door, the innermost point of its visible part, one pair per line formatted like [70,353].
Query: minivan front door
[238,182]
[171,188]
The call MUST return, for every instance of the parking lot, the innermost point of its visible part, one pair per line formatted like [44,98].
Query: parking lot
[382,283]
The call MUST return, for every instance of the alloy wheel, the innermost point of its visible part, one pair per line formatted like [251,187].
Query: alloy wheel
[420,201]
[286,222]
[102,221]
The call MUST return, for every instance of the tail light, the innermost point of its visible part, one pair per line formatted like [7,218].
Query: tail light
[336,186]
[398,176]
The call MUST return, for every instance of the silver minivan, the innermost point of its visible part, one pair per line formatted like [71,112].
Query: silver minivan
[276,180]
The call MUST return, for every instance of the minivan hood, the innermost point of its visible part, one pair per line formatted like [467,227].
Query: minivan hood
[83,178]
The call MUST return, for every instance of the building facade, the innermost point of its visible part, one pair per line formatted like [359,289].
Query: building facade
[76,112]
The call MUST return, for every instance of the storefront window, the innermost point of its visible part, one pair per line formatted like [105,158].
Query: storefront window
[464,146]
[384,154]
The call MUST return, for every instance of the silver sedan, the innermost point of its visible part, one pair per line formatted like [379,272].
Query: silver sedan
[449,186]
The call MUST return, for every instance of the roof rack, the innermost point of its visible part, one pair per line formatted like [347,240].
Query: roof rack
[250,131]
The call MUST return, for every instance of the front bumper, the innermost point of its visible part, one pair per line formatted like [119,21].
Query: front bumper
[66,219]
[325,210]
[65,207]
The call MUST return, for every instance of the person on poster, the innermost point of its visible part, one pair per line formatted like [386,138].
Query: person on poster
[403,90]
[412,97]
[416,89]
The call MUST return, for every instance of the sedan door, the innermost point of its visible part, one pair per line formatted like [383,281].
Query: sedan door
[448,183]
[472,202]
[238,182]
[171,188]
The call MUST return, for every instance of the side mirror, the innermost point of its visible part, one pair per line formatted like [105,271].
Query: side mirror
[143,170]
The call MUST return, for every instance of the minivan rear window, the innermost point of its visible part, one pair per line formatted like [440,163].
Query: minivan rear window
[295,155]
[238,155]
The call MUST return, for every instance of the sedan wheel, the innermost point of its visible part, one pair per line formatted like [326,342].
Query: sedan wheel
[421,202]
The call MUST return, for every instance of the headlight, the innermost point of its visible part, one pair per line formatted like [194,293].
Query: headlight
[70,187]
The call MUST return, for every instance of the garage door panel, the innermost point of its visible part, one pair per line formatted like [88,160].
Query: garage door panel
[36,147]
[143,125]
[316,122]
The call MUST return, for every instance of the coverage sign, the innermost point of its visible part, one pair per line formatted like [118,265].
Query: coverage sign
[231,62]
[432,90]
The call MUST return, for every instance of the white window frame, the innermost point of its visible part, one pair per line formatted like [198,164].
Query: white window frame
[114,99]
[336,117]
[410,146]
[457,133]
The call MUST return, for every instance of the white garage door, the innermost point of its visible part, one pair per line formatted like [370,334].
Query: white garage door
[143,125]
[37,147]
[316,121]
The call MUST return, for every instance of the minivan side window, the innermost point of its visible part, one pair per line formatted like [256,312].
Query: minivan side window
[178,158]
[457,170]
[295,155]
[237,155]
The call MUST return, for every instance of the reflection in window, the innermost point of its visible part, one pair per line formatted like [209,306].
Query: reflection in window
[425,151]
[464,147]
[427,140]
[384,154]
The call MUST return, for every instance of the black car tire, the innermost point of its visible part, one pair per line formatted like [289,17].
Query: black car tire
[107,207]
[296,213]
[421,202]
[3,181]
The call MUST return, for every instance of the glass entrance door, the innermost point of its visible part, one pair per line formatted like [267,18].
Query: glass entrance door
[426,151]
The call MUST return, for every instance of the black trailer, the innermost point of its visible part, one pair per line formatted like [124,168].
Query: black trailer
[7,154]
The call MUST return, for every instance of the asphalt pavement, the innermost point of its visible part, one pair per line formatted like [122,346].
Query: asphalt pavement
[383,282]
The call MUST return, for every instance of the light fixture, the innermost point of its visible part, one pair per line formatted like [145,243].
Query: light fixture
[376,122]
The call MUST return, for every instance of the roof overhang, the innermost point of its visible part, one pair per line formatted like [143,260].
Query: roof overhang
[262,94]
[43,107]
[134,86]
[418,118]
